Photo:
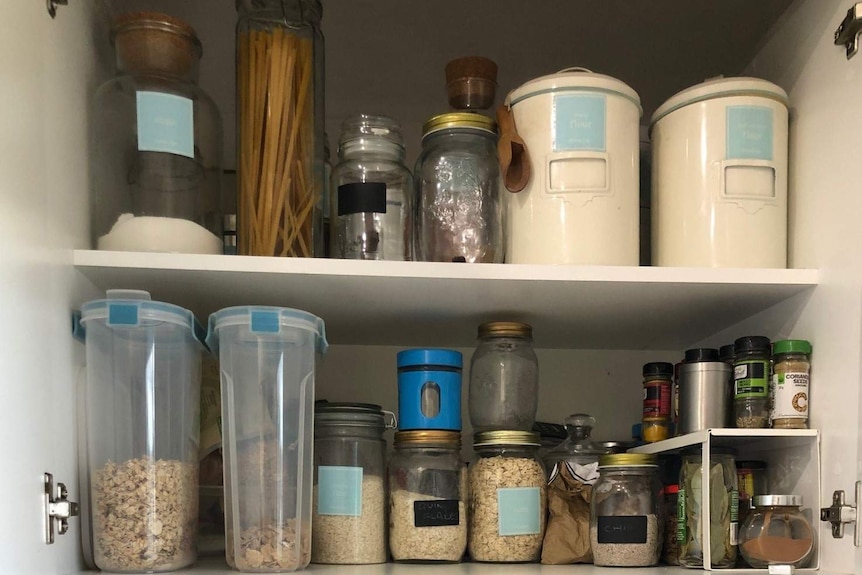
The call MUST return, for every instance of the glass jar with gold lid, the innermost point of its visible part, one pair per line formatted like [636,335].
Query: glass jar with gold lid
[457,175]
[504,378]
[625,511]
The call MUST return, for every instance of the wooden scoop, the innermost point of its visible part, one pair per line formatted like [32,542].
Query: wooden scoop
[514,159]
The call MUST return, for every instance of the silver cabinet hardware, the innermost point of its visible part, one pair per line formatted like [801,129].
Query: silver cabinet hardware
[841,513]
[848,32]
[58,509]
[53,4]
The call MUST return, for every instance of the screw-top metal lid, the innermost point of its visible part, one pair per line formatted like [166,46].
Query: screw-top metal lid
[428,438]
[777,500]
[791,346]
[493,438]
[628,460]
[505,329]
[469,120]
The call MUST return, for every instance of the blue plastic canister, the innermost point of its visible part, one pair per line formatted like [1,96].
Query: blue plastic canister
[429,389]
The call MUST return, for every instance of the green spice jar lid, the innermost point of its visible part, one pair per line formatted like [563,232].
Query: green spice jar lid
[627,460]
[791,346]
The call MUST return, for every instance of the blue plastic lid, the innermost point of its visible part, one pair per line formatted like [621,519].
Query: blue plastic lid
[429,356]
[266,320]
[134,308]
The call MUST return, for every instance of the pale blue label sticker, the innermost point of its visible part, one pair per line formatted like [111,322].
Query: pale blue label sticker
[749,133]
[520,510]
[579,122]
[166,124]
[339,490]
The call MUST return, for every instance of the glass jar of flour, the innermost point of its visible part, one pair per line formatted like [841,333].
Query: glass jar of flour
[157,144]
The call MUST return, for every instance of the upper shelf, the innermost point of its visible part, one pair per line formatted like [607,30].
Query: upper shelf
[441,304]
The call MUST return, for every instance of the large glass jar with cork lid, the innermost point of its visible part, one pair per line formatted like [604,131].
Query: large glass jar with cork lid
[156,144]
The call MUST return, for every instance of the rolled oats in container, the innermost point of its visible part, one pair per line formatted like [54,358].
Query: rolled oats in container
[507,505]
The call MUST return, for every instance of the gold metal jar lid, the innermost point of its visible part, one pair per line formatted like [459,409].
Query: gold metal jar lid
[469,120]
[505,329]
[500,438]
[428,438]
[627,459]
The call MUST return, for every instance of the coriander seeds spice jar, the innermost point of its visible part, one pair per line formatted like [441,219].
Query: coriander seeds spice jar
[791,373]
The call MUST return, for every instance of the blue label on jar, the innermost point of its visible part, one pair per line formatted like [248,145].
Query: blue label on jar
[519,511]
[165,124]
[749,133]
[579,122]
[339,490]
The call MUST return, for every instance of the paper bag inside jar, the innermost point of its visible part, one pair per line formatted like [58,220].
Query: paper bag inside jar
[567,537]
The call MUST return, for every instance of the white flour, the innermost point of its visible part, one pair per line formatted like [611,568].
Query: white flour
[153,234]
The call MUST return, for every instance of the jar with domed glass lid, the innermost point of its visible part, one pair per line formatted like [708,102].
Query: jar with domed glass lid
[578,450]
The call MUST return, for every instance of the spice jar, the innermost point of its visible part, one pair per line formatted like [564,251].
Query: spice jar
[791,359]
[349,501]
[428,497]
[280,127]
[156,144]
[372,192]
[507,497]
[670,549]
[752,480]
[722,502]
[625,512]
[776,532]
[751,382]
[460,217]
[429,389]
[658,385]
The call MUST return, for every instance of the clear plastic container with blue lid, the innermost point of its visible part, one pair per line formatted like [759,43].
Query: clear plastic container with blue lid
[142,397]
[267,357]
[429,389]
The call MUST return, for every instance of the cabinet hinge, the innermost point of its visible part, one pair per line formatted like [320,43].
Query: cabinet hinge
[53,5]
[848,31]
[58,509]
[840,513]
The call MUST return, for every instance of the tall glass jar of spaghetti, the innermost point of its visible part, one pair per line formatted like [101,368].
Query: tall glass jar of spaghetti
[279,128]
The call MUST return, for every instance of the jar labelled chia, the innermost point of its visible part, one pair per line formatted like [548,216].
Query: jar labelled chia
[789,390]
[751,370]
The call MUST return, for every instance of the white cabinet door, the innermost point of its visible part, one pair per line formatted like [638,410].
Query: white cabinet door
[47,75]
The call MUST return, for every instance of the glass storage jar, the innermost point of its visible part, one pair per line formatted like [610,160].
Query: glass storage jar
[504,378]
[372,192]
[349,501]
[722,502]
[280,127]
[427,497]
[578,448]
[156,144]
[658,387]
[142,394]
[507,498]
[625,511]
[458,183]
[751,370]
[776,532]
[791,372]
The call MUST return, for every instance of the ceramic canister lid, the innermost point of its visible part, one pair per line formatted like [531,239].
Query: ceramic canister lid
[573,80]
[719,88]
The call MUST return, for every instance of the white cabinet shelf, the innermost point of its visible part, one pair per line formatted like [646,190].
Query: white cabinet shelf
[417,303]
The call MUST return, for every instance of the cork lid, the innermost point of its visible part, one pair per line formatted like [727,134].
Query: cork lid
[152,42]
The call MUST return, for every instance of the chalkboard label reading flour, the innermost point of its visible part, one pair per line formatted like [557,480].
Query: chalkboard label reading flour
[627,529]
[436,513]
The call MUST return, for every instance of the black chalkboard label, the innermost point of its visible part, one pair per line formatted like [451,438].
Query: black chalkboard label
[628,529]
[436,513]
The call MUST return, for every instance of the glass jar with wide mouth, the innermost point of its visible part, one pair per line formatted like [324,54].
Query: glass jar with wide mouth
[349,500]
[507,498]
[776,532]
[458,182]
[504,378]
[156,144]
[280,138]
[427,497]
[626,528]
[372,192]
[578,449]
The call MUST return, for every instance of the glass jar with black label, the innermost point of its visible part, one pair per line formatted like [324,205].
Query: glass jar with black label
[626,528]
[427,497]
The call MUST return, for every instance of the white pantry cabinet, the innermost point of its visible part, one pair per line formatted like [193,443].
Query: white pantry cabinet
[594,326]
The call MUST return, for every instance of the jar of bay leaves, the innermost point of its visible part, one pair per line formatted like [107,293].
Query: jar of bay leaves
[280,139]
[721,501]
